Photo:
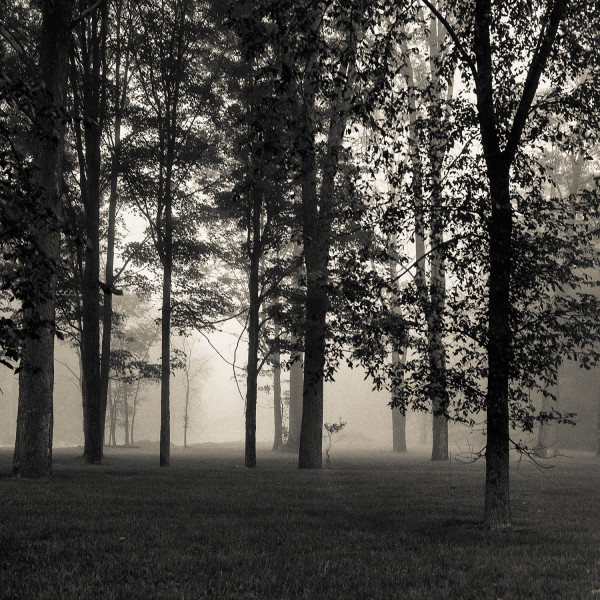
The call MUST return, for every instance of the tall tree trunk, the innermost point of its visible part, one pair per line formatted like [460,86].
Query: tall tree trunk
[165,414]
[133,412]
[398,417]
[437,285]
[277,412]
[598,430]
[254,250]
[315,257]
[497,493]
[33,444]
[398,361]
[316,215]
[296,380]
[92,43]
[109,277]
[186,418]
[126,414]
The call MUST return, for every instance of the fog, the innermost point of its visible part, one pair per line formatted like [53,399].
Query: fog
[216,412]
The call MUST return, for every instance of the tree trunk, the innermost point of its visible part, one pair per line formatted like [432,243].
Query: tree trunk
[92,38]
[133,411]
[598,430]
[296,381]
[315,257]
[126,414]
[254,250]
[316,215]
[165,414]
[107,313]
[398,360]
[398,417]
[547,444]
[33,444]
[186,419]
[497,495]
[277,412]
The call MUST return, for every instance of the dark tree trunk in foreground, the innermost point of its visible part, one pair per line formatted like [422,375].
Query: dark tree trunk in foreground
[316,219]
[498,163]
[91,36]
[497,489]
[33,445]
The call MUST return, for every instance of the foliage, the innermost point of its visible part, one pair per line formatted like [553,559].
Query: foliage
[331,431]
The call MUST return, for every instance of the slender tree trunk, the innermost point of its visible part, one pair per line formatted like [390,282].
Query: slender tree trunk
[186,419]
[33,444]
[277,412]
[398,417]
[113,419]
[131,438]
[92,45]
[109,278]
[598,430]
[254,249]
[547,444]
[398,361]
[296,381]
[126,414]
[165,414]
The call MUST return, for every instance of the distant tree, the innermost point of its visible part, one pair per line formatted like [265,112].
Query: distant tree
[191,371]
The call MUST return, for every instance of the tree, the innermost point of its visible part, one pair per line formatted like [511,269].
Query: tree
[172,149]
[317,212]
[505,88]
[88,82]
[33,446]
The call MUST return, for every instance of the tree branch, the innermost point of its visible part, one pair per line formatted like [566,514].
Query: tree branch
[545,44]
[86,13]
[454,37]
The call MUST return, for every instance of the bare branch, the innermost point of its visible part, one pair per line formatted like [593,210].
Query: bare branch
[454,37]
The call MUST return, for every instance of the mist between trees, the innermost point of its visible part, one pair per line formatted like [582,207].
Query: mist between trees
[410,189]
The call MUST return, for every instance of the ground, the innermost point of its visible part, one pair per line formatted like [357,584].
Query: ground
[375,525]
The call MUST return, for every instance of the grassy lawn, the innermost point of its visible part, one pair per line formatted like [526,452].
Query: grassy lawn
[373,526]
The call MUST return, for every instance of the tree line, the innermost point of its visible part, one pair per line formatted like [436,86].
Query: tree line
[409,188]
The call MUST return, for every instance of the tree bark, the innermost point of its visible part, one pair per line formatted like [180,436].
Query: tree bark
[316,258]
[497,492]
[255,251]
[277,412]
[92,43]
[33,444]
[165,381]
[109,277]
[398,417]
[316,215]
[126,414]
[296,381]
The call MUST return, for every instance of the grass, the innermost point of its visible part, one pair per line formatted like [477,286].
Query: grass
[372,526]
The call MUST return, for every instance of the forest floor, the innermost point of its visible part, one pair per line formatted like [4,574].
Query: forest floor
[375,525]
